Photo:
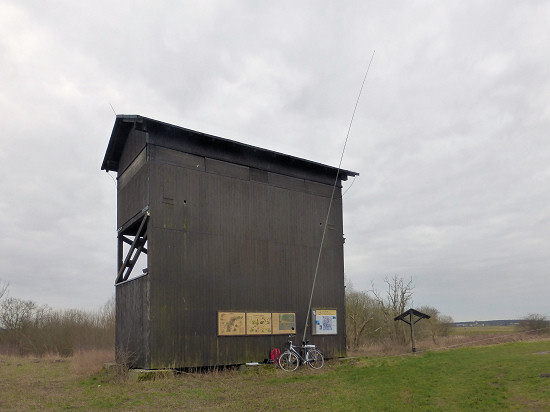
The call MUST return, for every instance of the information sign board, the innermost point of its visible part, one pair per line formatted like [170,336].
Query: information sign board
[324,322]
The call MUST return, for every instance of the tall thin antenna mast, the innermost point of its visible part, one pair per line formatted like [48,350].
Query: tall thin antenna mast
[332,196]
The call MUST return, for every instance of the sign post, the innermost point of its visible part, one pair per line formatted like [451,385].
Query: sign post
[411,313]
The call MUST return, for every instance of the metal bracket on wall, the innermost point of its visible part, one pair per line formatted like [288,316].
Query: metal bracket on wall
[137,245]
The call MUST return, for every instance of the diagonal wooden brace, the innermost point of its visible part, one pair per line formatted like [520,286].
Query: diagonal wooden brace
[137,245]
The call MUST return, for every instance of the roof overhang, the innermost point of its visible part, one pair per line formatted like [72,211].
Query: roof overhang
[210,146]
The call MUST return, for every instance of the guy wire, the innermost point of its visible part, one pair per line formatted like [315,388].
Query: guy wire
[332,196]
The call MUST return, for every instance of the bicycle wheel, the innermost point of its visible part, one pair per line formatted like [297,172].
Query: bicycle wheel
[288,361]
[316,360]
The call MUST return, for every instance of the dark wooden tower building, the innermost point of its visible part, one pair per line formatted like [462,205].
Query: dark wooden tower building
[230,235]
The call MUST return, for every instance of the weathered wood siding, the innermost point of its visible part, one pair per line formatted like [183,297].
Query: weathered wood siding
[232,228]
[225,238]
[135,143]
[132,322]
[133,190]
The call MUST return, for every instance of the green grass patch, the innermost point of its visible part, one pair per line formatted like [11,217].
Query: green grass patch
[490,378]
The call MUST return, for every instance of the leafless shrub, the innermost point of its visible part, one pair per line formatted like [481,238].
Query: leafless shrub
[124,362]
[32,329]
[535,324]
[360,315]
[436,326]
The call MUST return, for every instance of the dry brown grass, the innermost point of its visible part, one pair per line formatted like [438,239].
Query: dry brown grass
[90,362]
[441,343]
[28,382]
[58,383]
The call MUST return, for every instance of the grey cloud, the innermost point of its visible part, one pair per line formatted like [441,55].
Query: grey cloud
[449,137]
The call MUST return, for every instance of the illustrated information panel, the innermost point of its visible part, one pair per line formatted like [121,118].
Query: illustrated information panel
[284,323]
[258,323]
[324,322]
[231,323]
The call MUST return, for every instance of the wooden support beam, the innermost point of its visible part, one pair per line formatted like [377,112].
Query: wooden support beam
[137,245]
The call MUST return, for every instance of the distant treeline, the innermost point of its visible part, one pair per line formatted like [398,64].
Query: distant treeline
[370,318]
[27,328]
[501,322]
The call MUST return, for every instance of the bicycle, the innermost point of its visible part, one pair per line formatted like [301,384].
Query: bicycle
[291,358]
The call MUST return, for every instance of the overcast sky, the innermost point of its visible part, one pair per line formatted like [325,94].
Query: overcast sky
[450,137]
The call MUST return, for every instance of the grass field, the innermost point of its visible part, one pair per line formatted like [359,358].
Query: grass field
[489,378]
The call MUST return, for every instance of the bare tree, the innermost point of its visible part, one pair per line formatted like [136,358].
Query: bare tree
[15,313]
[360,312]
[395,301]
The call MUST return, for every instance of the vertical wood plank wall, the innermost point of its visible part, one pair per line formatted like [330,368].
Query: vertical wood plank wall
[220,241]
[223,237]
[132,322]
